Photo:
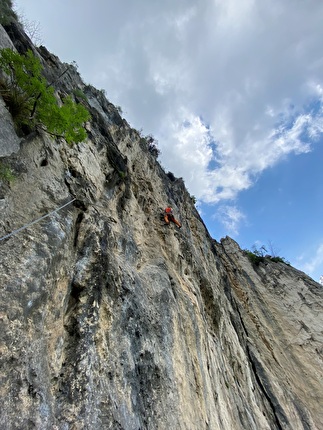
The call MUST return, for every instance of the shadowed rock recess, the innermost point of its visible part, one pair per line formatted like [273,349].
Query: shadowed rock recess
[112,320]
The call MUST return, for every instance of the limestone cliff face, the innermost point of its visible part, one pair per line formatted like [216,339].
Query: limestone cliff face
[112,320]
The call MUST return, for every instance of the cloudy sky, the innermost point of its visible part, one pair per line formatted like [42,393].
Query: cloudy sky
[233,92]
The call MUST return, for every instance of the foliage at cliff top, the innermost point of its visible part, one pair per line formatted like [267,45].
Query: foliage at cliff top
[32,102]
[260,255]
[7,15]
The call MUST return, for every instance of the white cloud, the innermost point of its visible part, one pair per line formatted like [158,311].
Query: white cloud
[231,217]
[315,263]
[193,150]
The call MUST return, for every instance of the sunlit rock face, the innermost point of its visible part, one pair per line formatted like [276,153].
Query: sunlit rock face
[112,320]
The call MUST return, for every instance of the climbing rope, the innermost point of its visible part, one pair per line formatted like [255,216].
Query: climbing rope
[36,220]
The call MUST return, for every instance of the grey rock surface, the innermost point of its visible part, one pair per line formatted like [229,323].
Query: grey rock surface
[5,41]
[9,141]
[111,320]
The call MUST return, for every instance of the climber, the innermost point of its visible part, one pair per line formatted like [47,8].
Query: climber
[168,216]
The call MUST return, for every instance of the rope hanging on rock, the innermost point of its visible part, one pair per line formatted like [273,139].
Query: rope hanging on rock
[36,220]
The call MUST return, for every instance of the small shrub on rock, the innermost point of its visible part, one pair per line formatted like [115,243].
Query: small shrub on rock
[152,145]
[6,174]
[7,15]
[171,176]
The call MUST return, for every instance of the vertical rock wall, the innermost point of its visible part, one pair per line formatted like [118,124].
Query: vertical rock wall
[112,320]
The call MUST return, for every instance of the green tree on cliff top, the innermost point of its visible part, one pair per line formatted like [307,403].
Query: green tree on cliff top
[32,102]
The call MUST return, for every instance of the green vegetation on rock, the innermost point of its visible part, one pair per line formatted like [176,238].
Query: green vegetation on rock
[6,174]
[260,255]
[32,102]
[7,15]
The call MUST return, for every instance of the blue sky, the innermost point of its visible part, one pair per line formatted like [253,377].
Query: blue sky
[232,91]
[283,208]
